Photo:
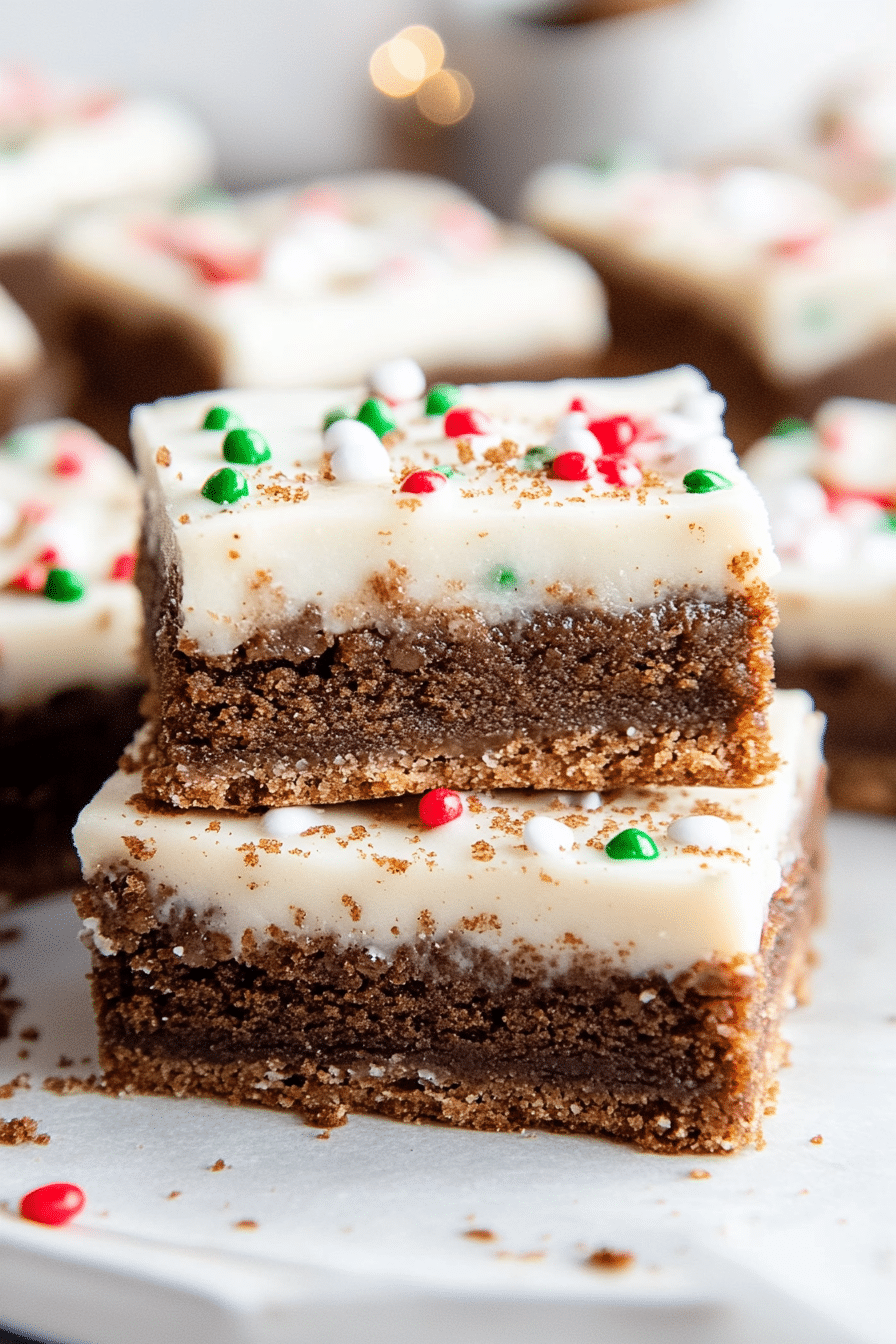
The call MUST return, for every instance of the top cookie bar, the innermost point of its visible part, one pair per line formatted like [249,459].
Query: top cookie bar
[515,585]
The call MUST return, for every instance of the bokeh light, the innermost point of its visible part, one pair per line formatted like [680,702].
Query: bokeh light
[400,66]
[445,98]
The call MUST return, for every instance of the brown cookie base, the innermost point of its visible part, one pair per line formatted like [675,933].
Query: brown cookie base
[673,693]
[53,758]
[447,1031]
[654,330]
[860,742]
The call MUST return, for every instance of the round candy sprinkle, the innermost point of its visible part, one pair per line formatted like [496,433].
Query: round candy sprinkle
[441,397]
[535,458]
[702,482]
[221,417]
[286,821]
[440,806]
[68,463]
[572,467]
[123,567]
[398,380]
[791,424]
[30,580]
[631,844]
[246,446]
[570,437]
[704,832]
[63,585]
[618,471]
[423,483]
[450,473]
[49,556]
[53,1204]
[337,413]
[504,577]
[463,421]
[546,835]
[615,434]
[357,454]
[373,414]
[226,486]
[577,404]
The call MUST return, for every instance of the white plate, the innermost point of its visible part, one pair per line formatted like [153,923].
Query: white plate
[360,1236]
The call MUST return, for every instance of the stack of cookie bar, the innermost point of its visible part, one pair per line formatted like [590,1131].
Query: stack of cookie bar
[465,793]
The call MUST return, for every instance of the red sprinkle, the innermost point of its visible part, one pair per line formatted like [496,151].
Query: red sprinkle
[68,464]
[31,579]
[226,268]
[617,471]
[462,421]
[440,806]
[797,246]
[35,511]
[53,1204]
[123,567]
[49,556]
[572,467]
[614,435]
[838,495]
[423,483]
[577,404]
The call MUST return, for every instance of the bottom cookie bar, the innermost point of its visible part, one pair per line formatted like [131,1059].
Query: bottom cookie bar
[616,967]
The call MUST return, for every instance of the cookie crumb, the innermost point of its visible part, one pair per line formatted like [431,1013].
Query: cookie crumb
[29,1034]
[817,1138]
[700,1174]
[64,1087]
[175,1194]
[609,1259]
[21,1130]
[64,1062]
[220,1165]
[246,1224]
[324,1134]
[480,1234]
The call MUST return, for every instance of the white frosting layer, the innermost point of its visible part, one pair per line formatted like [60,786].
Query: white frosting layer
[77,151]
[20,345]
[831,491]
[315,287]
[783,264]
[67,501]
[365,872]
[497,541]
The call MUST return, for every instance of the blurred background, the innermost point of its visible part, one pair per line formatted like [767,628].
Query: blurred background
[286,89]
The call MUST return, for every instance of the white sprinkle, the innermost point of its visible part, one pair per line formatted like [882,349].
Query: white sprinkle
[588,802]
[704,832]
[573,437]
[546,835]
[647,995]
[283,821]
[398,380]
[631,732]
[178,951]
[357,454]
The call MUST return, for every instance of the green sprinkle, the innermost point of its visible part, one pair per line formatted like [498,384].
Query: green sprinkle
[702,482]
[221,417]
[338,413]
[535,458]
[632,844]
[246,446]
[792,424]
[373,414]
[888,523]
[452,473]
[441,397]
[17,442]
[226,486]
[204,198]
[503,577]
[63,585]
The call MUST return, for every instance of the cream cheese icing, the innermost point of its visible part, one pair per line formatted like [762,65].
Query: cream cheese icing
[782,262]
[69,505]
[64,147]
[365,873]
[831,493]
[20,346]
[312,286]
[496,539]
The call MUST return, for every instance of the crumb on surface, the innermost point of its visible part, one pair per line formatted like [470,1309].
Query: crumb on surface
[29,1034]
[64,1062]
[609,1259]
[11,935]
[324,1134]
[20,1081]
[246,1224]
[21,1130]
[64,1087]
[480,1234]
[817,1138]
[175,1194]
[220,1165]
[699,1174]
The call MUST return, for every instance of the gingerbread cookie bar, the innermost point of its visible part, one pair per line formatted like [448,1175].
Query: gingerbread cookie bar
[315,285]
[70,621]
[558,585]
[779,289]
[494,960]
[831,492]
